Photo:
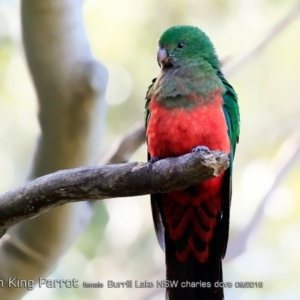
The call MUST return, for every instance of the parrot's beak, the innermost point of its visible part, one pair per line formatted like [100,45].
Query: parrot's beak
[163,58]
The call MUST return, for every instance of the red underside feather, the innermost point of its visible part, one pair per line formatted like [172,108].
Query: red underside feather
[176,131]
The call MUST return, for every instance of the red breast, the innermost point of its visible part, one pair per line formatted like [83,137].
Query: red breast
[174,132]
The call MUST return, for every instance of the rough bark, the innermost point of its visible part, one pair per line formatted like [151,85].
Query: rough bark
[102,182]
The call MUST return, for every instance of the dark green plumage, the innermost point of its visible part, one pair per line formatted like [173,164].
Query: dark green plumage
[232,113]
[197,46]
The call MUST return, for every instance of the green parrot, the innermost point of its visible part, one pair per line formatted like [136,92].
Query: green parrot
[191,107]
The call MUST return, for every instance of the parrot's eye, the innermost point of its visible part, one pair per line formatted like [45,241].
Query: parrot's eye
[180,45]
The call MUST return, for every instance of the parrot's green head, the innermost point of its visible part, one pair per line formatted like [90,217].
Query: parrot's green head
[183,45]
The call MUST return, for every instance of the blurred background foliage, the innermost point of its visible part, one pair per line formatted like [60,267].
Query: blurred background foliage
[120,244]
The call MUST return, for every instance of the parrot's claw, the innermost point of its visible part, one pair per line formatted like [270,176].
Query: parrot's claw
[152,161]
[201,149]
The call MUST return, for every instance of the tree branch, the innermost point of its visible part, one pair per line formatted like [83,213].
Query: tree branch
[69,82]
[130,179]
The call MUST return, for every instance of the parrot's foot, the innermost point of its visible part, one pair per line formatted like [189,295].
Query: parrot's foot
[201,149]
[152,161]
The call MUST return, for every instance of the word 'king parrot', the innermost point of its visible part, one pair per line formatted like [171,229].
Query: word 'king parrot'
[190,107]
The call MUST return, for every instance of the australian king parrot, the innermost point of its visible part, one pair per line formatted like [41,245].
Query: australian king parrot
[190,106]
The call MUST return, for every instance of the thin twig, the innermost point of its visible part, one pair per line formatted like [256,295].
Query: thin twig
[284,160]
[291,16]
[123,148]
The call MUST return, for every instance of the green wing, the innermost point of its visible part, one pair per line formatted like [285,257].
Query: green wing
[232,116]
[231,111]
[155,198]
[147,112]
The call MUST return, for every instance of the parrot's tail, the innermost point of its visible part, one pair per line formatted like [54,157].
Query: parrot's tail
[193,281]
[194,238]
